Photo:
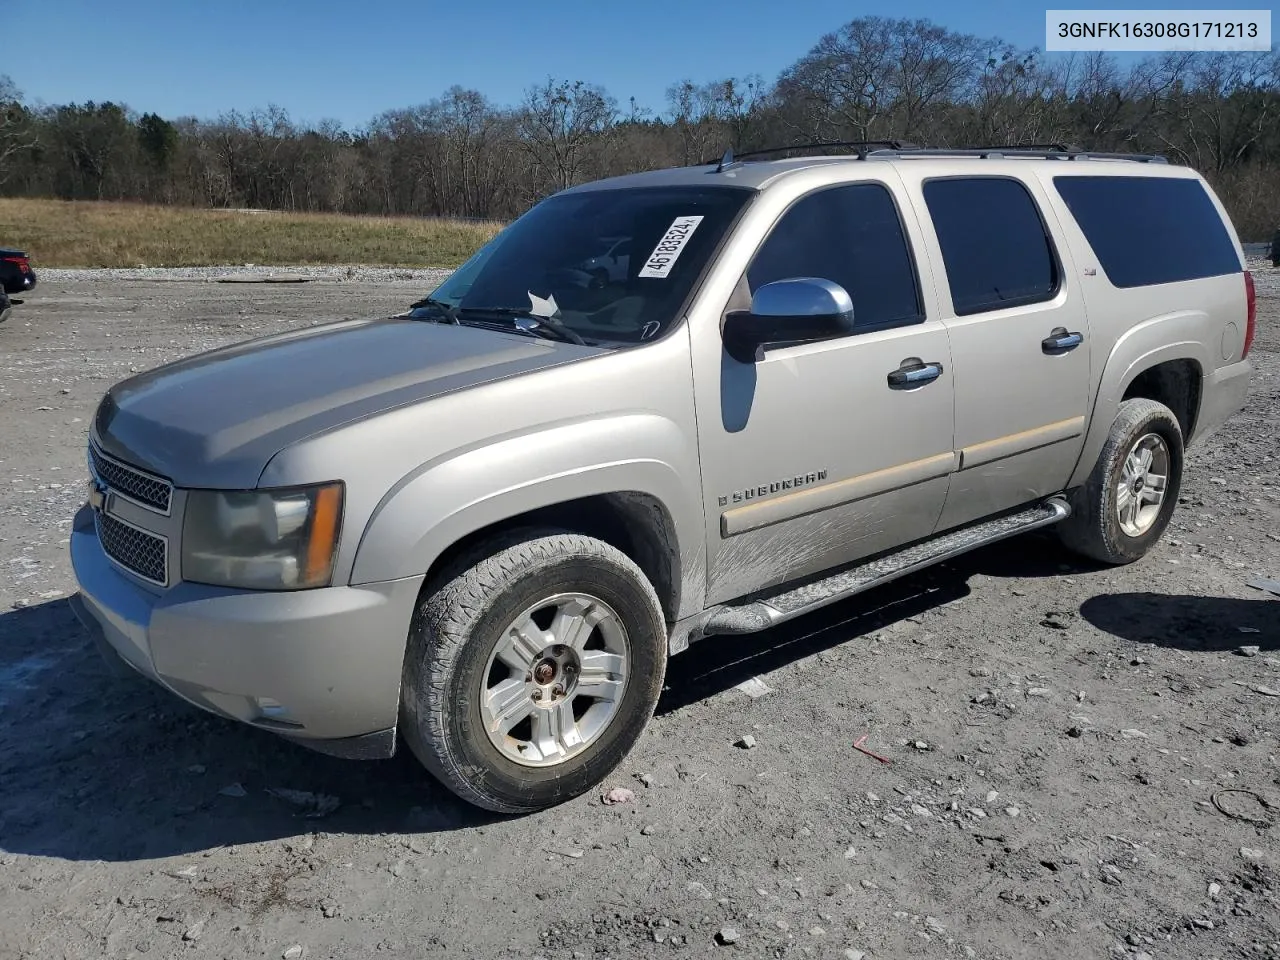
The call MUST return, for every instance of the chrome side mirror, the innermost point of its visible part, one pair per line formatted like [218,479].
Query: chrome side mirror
[796,310]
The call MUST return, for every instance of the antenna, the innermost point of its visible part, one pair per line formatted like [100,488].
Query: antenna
[726,160]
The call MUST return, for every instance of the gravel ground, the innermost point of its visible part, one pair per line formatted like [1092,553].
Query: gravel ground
[1056,735]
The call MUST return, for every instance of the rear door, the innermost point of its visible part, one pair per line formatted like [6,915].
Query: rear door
[1020,341]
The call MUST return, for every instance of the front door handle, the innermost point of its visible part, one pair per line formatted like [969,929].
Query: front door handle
[914,373]
[1060,341]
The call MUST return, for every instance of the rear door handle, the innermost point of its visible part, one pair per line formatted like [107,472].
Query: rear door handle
[1060,341]
[914,373]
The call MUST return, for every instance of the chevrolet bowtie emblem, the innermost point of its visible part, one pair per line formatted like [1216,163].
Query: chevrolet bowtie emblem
[97,495]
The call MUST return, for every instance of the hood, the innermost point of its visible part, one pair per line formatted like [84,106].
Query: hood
[216,419]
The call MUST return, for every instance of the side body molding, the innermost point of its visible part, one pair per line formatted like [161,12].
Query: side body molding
[463,491]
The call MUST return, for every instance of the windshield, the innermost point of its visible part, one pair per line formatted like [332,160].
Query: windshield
[613,265]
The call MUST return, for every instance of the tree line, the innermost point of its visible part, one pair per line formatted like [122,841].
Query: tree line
[462,155]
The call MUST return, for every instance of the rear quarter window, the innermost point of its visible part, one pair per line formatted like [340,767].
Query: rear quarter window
[1150,230]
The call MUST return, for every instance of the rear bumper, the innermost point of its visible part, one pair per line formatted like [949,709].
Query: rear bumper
[1222,395]
[19,283]
[317,666]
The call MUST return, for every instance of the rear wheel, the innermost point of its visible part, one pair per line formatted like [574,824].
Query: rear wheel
[5,307]
[1130,496]
[532,672]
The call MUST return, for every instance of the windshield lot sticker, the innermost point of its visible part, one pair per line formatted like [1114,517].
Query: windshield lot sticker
[543,308]
[668,249]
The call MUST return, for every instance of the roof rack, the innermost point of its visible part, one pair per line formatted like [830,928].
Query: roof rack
[860,146]
[1055,145]
[1051,152]
[865,149]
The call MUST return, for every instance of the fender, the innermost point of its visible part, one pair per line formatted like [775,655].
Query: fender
[1174,336]
[461,492]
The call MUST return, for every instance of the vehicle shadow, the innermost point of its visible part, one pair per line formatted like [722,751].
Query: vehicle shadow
[1035,556]
[94,766]
[1187,622]
[718,663]
[98,767]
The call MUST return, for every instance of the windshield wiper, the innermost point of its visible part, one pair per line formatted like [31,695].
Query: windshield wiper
[546,327]
[449,311]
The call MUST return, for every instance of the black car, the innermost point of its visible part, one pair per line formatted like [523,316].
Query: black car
[16,275]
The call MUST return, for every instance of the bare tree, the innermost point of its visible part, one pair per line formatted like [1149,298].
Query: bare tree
[1214,109]
[842,86]
[932,68]
[17,132]
[1014,101]
[558,124]
[692,119]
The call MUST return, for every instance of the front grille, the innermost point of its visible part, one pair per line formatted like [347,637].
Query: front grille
[133,483]
[133,549]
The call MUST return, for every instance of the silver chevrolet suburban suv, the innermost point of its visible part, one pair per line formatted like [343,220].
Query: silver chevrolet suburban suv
[485,523]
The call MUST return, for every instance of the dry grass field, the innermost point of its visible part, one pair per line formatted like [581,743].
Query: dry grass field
[59,233]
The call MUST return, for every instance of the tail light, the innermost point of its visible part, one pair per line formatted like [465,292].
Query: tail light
[1251,311]
[24,263]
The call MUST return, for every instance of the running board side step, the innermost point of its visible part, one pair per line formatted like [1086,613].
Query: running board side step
[779,608]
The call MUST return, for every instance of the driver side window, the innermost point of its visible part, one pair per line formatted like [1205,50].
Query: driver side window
[851,235]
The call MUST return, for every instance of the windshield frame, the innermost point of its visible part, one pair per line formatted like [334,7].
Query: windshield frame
[680,311]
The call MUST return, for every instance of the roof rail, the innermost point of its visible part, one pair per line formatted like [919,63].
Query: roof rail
[1053,152]
[862,147]
[1063,147]
[897,148]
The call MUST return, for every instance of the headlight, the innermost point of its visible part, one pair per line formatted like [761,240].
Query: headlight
[262,539]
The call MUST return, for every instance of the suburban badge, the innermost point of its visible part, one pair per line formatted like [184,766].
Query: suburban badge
[774,486]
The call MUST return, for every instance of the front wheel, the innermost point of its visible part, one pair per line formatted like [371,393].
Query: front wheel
[1130,496]
[531,673]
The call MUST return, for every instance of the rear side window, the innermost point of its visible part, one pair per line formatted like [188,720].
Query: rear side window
[1149,230]
[994,243]
[850,235]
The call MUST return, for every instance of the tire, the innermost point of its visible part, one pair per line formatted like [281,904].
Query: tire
[1097,529]
[5,308]
[453,658]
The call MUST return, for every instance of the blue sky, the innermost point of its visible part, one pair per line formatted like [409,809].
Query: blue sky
[350,61]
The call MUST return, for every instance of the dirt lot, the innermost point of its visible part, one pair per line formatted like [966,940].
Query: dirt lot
[1057,734]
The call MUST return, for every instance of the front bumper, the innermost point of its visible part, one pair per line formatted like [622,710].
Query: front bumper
[321,667]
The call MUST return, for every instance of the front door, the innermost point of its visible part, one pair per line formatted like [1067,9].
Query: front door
[811,456]
[1019,340]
